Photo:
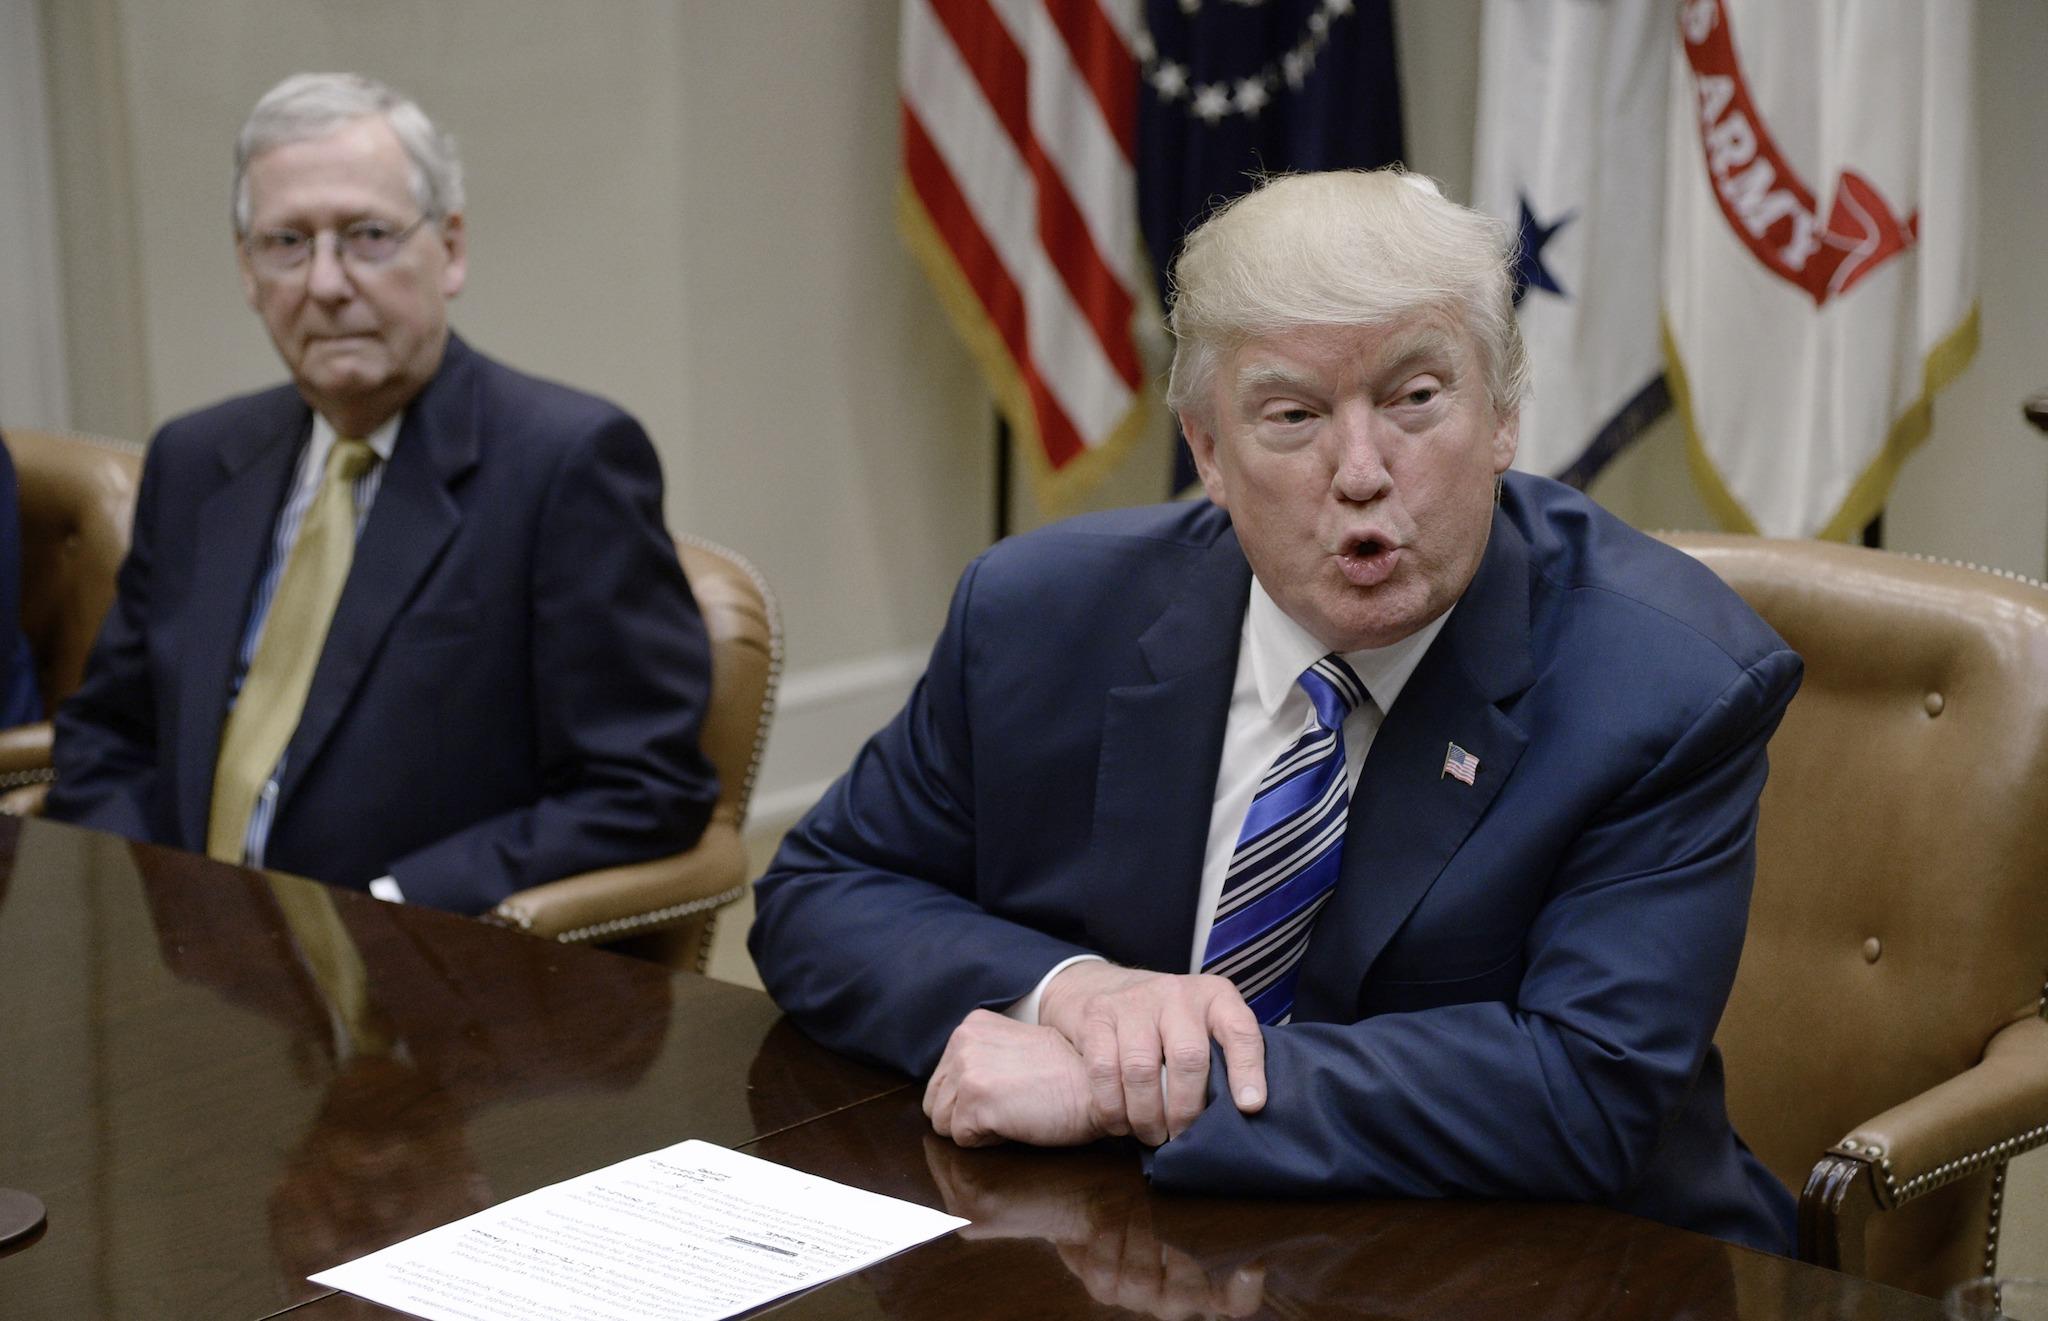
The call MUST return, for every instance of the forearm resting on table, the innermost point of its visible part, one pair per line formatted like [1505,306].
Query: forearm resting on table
[1136,1042]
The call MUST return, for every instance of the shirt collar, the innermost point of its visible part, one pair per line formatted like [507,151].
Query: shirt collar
[383,440]
[1281,649]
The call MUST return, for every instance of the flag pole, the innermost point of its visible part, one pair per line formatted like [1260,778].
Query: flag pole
[1002,467]
[2035,410]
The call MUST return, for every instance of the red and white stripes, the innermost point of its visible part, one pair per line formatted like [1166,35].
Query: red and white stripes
[1019,140]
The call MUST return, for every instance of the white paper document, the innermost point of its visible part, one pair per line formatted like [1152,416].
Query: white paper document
[691,1231]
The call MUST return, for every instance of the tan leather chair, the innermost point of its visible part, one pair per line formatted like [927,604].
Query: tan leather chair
[77,501]
[665,909]
[1886,1047]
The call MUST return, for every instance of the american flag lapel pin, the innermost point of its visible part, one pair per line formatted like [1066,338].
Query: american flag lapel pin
[1459,764]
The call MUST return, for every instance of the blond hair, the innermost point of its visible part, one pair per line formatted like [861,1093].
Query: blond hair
[1343,248]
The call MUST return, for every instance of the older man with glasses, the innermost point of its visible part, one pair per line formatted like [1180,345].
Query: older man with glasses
[411,623]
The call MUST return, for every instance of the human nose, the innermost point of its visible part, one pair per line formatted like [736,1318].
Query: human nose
[326,277]
[1360,473]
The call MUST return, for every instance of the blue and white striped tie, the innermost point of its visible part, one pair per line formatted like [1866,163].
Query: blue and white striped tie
[1288,853]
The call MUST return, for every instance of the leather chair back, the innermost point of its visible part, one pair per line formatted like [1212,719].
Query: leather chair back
[665,909]
[77,502]
[746,663]
[1900,919]
[77,498]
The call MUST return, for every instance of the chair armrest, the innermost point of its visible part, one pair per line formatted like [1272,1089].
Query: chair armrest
[25,749]
[644,896]
[1983,1116]
[1980,1118]
[25,799]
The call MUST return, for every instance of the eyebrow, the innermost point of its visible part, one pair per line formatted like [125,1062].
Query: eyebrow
[1429,346]
[1270,377]
[1424,347]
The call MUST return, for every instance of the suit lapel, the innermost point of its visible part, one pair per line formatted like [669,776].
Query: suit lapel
[411,523]
[235,524]
[1156,782]
[1407,816]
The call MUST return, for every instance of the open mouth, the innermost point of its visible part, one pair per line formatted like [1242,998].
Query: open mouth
[1367,561]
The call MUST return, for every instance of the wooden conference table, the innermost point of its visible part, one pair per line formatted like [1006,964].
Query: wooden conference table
[213,1104]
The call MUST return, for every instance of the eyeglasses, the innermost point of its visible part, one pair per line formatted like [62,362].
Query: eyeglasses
[364,243]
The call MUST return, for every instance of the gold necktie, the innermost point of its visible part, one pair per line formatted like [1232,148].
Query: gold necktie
[274,690]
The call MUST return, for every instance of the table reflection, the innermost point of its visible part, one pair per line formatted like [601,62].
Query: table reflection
[404,1040]
[1182,1257]
[1080,1232]
[1102,1224]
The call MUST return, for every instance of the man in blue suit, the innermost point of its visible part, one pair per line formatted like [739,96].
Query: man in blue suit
[412,622]
[1382,825]
[20,701]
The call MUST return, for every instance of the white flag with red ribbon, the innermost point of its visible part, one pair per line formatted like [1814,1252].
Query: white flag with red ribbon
[1820,248]
[1019,198]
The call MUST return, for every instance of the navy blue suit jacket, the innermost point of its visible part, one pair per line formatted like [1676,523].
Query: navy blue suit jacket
[513,681]
[20,700]
[1514,988]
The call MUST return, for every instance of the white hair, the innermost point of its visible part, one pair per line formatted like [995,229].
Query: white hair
[312,105]
[1343,248]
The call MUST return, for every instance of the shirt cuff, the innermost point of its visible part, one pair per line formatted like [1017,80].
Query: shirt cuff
[386,888]
[1026,1010]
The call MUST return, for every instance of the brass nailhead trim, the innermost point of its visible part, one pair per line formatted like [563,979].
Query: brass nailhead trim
[121,445]
[1991,1230]
[625,926]
[2006,574]
[1950,1170]
[774,612]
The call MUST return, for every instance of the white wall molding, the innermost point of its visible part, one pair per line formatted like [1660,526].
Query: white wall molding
[822,717]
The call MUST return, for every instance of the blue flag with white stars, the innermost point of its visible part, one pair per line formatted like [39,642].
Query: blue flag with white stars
[1230,89]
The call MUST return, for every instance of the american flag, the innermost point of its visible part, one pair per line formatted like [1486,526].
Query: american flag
[1048,145]
[1019,197]
[1459,764]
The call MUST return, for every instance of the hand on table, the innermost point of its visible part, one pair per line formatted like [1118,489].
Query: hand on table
[1134,1030]
[1001,1080]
